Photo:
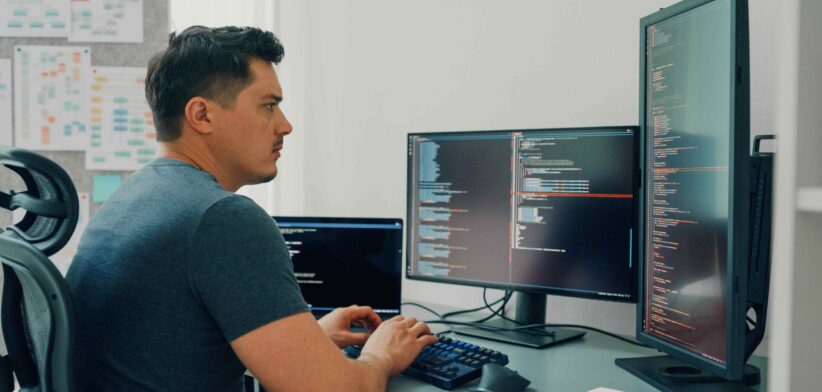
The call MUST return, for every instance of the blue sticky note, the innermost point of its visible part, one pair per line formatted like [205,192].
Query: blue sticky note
[104,186]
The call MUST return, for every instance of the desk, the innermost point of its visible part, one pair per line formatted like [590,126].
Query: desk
[577,365]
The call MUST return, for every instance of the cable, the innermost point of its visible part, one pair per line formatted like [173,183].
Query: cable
[424,307]
[486,327]
[439,316]
[522,326]
[613,335]
[454,313]
[495,312]
[494,328]
[500,312]
[504,317]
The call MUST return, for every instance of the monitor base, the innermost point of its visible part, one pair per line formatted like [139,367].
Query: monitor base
[532,338]
[673,375]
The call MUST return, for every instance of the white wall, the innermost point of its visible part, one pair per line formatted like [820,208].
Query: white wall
[376,70]
[806,314]
[765,43]
[782,278]
[370,71]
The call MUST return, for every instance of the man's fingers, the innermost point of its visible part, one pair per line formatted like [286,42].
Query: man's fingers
[410,321]
[420,328]
[427,339]
[363,315]
[372,322]
[367,323]
[360,310]
[357,338]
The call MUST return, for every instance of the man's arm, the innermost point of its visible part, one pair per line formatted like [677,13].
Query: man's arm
[337,324]
[294,353]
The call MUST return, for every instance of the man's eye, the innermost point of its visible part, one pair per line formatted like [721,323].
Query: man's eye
[270,106]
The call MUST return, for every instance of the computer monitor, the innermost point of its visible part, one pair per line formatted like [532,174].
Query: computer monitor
[540,211]
[697,232]
[346,261]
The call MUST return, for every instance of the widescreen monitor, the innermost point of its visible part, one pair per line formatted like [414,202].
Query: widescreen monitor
[540,211]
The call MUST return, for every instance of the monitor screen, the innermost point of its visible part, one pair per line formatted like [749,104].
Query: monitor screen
[696,147]
[346,261]
[540,210]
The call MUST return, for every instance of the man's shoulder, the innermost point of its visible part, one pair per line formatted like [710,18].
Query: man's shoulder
[163,197]
[169,184]
[237,212]
[184,179]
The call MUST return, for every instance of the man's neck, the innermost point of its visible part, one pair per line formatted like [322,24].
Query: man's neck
[200,159]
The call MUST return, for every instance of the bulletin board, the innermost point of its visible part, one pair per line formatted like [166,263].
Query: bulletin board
[129,51]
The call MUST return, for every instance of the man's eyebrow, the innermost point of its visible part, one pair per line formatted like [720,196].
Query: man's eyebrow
[275,97]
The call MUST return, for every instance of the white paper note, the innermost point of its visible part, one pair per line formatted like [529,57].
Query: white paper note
[35,18]
[106,21]
[5,102]
[51,85]
[122,126]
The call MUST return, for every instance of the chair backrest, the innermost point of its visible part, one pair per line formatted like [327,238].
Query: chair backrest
[37,311]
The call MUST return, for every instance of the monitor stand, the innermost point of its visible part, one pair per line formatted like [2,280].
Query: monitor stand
[670,374]
[530,310]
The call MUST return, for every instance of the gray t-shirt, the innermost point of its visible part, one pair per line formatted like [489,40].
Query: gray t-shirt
[169,271]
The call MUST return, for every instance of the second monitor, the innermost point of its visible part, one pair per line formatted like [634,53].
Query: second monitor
[344,261]
[541,211]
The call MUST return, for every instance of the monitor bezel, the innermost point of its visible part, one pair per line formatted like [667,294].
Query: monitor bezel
[738,198]
[632,298]
[358,221]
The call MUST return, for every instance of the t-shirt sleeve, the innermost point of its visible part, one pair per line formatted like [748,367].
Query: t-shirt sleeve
[240,268]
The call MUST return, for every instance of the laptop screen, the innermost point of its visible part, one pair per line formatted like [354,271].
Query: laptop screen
[345,261]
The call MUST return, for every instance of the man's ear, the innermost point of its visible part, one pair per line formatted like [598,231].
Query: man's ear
[199,115]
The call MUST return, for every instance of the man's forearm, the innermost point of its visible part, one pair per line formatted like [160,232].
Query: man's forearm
[377,370]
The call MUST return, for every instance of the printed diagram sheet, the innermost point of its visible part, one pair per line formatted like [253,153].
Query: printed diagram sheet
[106,21]
[35,18]
[122,125]
[5,102]
[51,85]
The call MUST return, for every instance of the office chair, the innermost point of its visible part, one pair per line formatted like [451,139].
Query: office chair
[37,312]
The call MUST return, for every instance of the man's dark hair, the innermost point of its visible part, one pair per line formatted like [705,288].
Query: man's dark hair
[206,62]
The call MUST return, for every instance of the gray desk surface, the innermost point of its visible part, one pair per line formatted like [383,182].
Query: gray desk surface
[579,365]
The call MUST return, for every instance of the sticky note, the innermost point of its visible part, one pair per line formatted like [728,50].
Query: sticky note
[104,186]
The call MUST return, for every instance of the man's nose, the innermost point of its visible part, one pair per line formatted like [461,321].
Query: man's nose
[284,127]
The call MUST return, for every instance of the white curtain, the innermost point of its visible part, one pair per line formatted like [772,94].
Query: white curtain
[282,196]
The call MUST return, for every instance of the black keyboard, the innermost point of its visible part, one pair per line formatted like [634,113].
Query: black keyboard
[448,363]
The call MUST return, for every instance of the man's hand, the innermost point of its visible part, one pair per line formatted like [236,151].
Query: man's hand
[337,324]
[395,344]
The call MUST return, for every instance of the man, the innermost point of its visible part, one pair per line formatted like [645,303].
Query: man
[180,284]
